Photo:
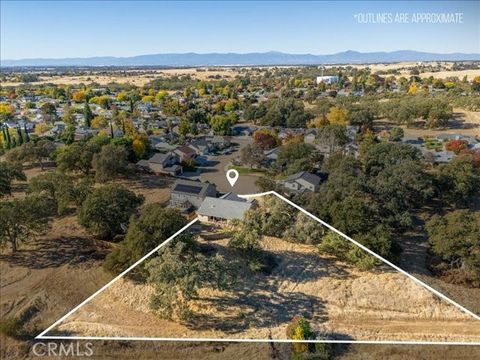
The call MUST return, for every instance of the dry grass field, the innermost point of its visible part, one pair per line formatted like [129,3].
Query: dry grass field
[141,77]
[464,122]
[338,300]
[405,68]
[133,77]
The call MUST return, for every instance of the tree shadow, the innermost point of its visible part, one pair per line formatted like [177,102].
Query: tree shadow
[205,170]
[257,309]
[262,301]
[48,253]
[458,122]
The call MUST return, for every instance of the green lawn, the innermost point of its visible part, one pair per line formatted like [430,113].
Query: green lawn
[433,144]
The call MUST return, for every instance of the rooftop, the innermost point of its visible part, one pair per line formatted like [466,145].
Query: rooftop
[223,208]
[190,187]
[311,178]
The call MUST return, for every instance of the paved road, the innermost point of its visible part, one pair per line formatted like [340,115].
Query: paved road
[216,172]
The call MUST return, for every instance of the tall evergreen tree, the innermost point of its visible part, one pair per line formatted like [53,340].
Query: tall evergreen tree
[27,137]
[132,105]
[6,145]
[9,139]
[87,115]
[111,130]
[20,136]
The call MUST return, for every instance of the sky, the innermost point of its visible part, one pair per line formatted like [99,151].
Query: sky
[59,29]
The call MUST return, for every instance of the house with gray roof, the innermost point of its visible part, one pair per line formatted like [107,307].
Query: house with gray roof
[272,155]
[168,164]
[222,209]
[302,181]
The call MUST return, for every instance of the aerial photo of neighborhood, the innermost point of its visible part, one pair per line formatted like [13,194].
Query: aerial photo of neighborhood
[235,194]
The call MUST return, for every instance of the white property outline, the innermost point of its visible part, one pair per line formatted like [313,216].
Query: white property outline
[421,283]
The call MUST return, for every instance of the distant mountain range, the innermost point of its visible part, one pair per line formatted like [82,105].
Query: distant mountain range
[267,58]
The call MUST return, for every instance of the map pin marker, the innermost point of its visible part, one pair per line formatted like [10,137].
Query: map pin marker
[232,176]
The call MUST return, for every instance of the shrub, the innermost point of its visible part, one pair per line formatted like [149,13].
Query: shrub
[341,248]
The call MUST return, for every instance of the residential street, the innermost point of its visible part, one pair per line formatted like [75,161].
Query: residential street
[217,172]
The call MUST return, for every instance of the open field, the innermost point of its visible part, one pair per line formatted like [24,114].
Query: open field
[405,68]
[141,77]
[464,122]
[338,300]
[137,78]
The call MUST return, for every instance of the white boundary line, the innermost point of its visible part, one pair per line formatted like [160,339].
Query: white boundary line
[376,342]
[87,300]
[47,337]
[367,250]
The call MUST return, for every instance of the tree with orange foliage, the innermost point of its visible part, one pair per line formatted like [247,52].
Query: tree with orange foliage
[266,139]
[79,96]
[457,146]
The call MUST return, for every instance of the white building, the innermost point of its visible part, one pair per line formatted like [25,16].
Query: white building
[327,79]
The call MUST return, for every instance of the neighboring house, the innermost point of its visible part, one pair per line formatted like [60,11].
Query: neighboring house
[352,131]
[219,142]
[159,143]
[302,181]
[168,164]
[310,136]
[186,154]
[242,130]
[222,209]
[187,193]
[352,149]
[448,137]
[272,154]
[82,133]
[201,146]
[324,149]
[117,133]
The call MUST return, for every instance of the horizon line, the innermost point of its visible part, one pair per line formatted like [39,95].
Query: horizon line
[239,53]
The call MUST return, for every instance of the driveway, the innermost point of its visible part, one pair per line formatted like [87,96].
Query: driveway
[215,168]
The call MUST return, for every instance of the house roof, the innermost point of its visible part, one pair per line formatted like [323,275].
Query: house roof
[159,158]
[234,197]
[223,208]
[186,150]
[191,187]
[199,142]
[306,176]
